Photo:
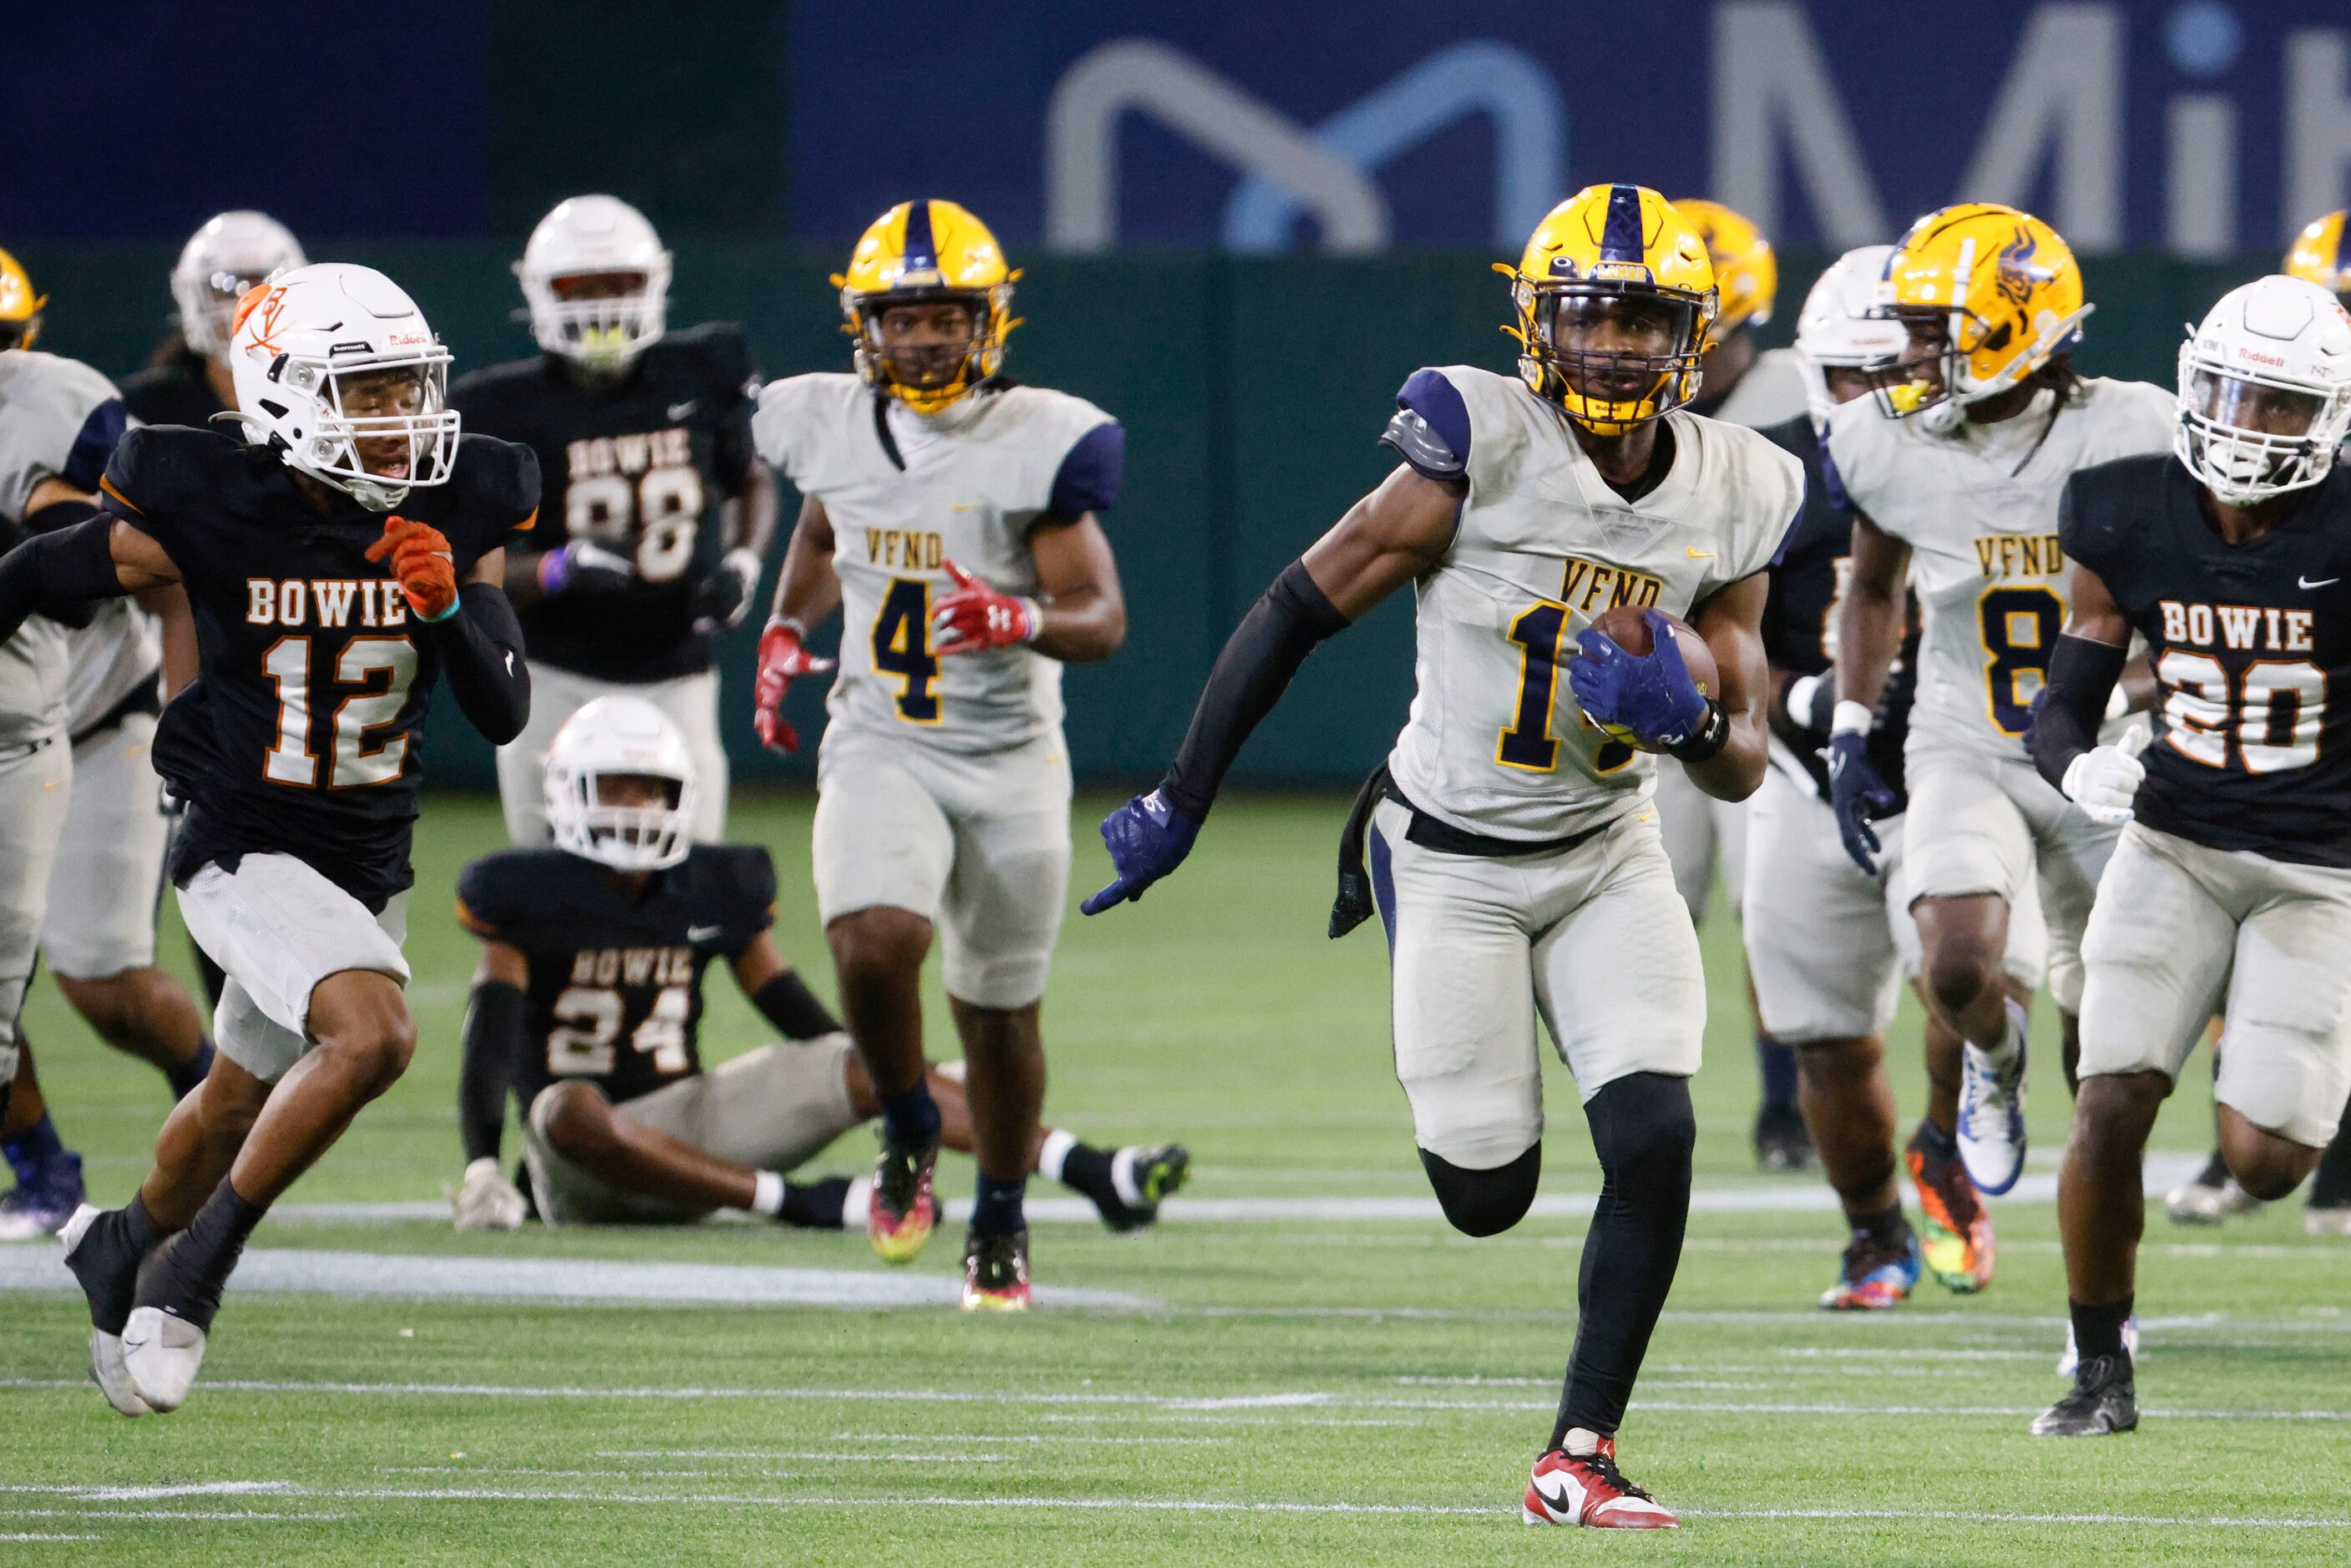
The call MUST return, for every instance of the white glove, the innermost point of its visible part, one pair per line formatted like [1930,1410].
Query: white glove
[2103,780]
[486,1200]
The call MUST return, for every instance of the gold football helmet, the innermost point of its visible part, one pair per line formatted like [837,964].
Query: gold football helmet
[1614,298]
[20,308]
[1746,272]
[1989,294]
[920,253]
[2320,257]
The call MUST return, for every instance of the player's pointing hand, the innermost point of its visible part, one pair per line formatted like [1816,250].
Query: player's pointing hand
[782,658]
[975,617]
[421,561]
[1147,839]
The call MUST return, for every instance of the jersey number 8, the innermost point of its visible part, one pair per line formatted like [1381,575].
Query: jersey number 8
[662,507]
[2020,627]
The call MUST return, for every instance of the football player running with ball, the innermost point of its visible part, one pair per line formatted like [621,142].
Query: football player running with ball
[657,515]
[951,515]
[2231,889]
[1515,860]
[340,557]
[587,1008]
[1954,468]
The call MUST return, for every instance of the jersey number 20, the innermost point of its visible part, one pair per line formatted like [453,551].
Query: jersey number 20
[381,669]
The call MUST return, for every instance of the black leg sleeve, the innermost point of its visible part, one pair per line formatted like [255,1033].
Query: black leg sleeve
[1643,1130]
[1260,656]
[787,1003]
[481,652]
[2081,675]
[50,571]
[494,1044]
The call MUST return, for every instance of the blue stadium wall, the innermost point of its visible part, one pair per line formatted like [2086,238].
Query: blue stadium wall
[1249,334]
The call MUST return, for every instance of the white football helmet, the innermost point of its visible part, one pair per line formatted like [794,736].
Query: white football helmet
[584,237]
[228,255]
[621,736]
[2265,390]
[1836,327]
[331,358]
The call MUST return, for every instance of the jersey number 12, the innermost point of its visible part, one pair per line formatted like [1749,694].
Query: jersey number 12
[382,668]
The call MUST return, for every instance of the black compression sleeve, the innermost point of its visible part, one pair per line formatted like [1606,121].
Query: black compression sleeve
[1263,652]
[52,570]
[2081,675]
[481,650]
[494,1043]
[60,515]
[787,1003]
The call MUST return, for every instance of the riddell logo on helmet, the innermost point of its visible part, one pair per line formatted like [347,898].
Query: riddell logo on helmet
[2276,361]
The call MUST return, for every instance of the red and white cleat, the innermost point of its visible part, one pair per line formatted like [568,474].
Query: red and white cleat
[1590,1490]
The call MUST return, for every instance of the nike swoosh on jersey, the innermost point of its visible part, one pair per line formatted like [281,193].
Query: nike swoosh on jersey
[701,933]
[2322,583]
[680,410]
[1697,554]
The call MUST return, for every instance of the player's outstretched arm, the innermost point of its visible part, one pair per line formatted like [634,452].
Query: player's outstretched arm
[1397,533]
[777,990]
[1732,622]
[97,557]
[2082,671]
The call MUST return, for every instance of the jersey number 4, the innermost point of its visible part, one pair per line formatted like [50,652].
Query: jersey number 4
[2278,711]
[901,647]
[382,668]
[588,1020]
[1528,743]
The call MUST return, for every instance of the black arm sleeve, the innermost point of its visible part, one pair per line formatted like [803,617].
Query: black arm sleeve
[787,1003]
[2081,675]
[54,570]
[493,1042]
[481,651]
[1263,652]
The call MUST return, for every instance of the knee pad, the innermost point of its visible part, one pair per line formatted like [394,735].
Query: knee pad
[1644,1131]
[1487,1202]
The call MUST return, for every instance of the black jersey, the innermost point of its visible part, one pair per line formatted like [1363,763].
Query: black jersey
[615,987]
[640,465]
[1807,584]
[302,732]
[173,393]
[2252,744]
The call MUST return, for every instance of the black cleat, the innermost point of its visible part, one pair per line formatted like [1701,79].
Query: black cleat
[2104,1401]
[1143,1177]
[1783,1142]
[996,1272]
[99,1251]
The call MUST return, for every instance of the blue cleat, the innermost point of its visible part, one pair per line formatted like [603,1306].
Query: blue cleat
[1875,1277]
[40,1204]
[1992,1110]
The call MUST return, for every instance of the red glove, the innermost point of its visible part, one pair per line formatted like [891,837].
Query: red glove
[421,561]
[975,617]
[781,657]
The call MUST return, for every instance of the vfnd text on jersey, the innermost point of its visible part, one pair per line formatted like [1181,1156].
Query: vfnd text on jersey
[2241,626]
[324,601]
[2019,555]
[915,550]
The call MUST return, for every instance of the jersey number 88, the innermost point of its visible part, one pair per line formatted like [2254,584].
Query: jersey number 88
[662,508]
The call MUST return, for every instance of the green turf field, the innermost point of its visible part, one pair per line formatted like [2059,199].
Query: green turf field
[1308,1390]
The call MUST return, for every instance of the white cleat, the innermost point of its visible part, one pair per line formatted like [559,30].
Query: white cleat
[2326,1219]
[162,1353]
[2209,1203]
[106,1368]
[2071,1361]
[1991,1110]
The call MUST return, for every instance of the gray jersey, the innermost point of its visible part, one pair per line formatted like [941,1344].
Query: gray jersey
[970,492]
[1770,392]
[59,419]
[1495,743]
[1978,508]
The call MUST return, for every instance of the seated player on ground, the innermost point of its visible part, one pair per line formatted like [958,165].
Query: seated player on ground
[589,998]
[2229,890]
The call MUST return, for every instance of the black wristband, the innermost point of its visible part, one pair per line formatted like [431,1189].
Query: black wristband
[787,1003]
[1709,739]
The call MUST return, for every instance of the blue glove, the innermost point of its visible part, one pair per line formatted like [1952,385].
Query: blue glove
[1654,697]
[1147,839]
[1857,794]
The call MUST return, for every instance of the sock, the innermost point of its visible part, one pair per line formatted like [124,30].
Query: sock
[185,1276]
[1054,1153]
[2011,1040]
[34,1150]
[1093,1172]
[767,1193]
[1779,1065]
[191,1072]
[139,1226]
[1943,1146]
[911,1115]
[995,1206]
[1888,1229]
[818,1206]
[1581,1441]
[2098,1330]
[2331,1187]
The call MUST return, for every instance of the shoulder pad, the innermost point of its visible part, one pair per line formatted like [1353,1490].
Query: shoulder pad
[722,355]
[498,486]
[156,468]
[1430,428]
[1090,472]
[493,893]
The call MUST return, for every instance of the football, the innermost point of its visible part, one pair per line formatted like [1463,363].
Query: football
[1626,626]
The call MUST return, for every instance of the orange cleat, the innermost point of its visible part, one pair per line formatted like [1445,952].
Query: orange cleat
[1958,1240]
[1590,1490]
